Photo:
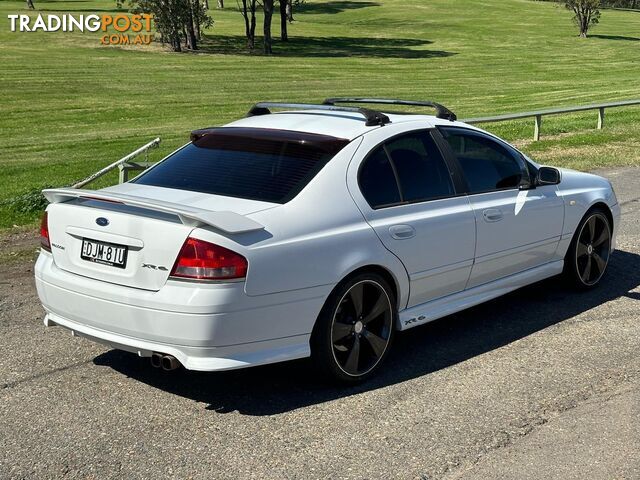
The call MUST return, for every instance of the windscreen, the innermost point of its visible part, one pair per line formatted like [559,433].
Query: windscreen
[253,163]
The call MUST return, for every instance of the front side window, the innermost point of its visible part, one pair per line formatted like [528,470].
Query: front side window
[252,163]
[487,164]
[406,169]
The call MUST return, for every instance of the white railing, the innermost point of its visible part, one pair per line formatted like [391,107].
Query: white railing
[537,115]
[123,165]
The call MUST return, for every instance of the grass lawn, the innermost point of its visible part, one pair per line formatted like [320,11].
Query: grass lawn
[70,106]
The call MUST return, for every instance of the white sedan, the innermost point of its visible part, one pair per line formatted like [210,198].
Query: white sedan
[315,231]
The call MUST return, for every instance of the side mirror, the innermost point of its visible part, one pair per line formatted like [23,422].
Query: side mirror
[548,176]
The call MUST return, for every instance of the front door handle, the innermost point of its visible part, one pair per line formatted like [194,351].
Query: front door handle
[402,232]
[492,214]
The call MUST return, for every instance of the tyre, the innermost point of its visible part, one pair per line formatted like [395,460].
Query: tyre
[588,255]
[354,330]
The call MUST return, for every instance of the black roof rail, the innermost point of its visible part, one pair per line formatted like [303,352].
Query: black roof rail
[372,117]
[441,111]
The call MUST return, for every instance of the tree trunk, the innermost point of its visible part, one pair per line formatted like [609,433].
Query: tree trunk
[196,19]
[252,37]
[249,15]
[268,14]
[220,3]
[206,4]
[30,5]
[584,24]
[245,17]
[175,42]
[192,42]
[283,21]
[185,36]
[290,10]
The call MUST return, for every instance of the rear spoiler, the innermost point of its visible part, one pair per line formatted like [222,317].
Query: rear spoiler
[229,222]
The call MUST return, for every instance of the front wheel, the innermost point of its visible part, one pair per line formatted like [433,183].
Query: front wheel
[354,330]
[588,255]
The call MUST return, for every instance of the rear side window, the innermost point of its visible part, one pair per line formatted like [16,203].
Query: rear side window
[378,181]
[422,173]
[487,165]
[253,163]
[406,169]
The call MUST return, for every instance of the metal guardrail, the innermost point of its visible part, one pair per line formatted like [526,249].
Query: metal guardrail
[124,165]
[537,115]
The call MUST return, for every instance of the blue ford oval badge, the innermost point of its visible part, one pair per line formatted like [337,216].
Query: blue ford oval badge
[103,222]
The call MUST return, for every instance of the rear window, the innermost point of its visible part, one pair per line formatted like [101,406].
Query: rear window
[253,163]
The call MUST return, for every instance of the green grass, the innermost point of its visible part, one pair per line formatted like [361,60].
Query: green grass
[71,106]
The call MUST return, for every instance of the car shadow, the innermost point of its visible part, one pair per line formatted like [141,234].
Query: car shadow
[279,388]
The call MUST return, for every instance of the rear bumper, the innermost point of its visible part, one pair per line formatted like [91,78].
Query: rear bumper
[194,358]
[205,326]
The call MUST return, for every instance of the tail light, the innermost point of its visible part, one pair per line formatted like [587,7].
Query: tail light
[45,243]
[202,260]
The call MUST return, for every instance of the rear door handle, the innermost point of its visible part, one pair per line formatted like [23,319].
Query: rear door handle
[492,214]
[402,232]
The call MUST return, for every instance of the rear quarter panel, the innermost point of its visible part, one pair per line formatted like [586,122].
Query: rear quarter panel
[316,239]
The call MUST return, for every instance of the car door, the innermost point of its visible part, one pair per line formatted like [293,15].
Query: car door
[405,191]
[518,225]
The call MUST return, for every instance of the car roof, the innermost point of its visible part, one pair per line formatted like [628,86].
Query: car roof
[348,125]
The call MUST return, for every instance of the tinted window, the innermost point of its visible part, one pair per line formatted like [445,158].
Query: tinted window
[406,169]
[421,170]
[252,163]
[377,180]
[486,164]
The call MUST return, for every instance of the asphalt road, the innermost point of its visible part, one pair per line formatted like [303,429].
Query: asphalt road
[543,383]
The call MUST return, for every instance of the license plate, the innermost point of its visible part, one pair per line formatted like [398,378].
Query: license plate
[105,253]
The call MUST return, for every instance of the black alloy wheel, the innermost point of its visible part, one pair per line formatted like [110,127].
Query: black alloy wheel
[589,253]
[593,248]
[361,328]
[355,329]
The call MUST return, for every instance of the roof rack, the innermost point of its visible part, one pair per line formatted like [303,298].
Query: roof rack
[372,117]
[441,111]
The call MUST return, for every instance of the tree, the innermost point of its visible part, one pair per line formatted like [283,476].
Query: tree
[30,5]
[267,6]
[289,10]
[290,5]
[248,12]
[247,9]
[284,4]
[587,13]
[175,20]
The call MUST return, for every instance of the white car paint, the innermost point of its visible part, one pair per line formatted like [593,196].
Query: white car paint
[442,255]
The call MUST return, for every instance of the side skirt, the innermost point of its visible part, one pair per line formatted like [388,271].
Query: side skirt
[429,311]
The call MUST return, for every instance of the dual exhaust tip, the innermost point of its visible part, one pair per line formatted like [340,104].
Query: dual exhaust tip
[164,361]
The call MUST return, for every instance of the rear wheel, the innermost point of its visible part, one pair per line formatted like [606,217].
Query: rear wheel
[355,328]
[588,255]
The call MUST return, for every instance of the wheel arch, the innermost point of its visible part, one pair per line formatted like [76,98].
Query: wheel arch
[380,270]
[600,205]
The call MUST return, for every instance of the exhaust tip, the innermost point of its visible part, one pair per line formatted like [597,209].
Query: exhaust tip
[169,362]
[156,360]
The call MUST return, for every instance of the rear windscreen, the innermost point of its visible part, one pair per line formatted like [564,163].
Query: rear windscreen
[252,163]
